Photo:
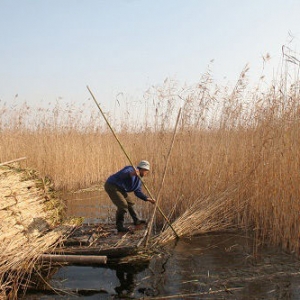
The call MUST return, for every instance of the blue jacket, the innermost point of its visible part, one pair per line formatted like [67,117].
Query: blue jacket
[128,183]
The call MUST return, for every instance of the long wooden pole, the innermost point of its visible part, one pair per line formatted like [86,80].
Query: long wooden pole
[149,228]
[113,132]
[12,161]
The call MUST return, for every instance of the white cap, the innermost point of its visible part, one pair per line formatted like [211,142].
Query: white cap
[144,164]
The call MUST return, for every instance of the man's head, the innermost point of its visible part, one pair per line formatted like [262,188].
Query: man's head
[144,167]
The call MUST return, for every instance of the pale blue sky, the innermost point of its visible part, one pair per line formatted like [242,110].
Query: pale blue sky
[54,48]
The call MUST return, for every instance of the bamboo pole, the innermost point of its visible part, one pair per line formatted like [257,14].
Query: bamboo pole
[113,132]
[12,161]
[149,227]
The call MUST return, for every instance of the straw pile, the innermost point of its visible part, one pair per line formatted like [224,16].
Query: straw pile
[28,213]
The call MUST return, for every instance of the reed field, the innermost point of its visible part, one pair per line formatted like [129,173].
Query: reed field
[238,148]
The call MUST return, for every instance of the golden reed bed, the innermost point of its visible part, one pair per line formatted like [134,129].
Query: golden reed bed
[235,160]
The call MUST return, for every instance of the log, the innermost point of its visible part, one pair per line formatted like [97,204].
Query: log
[53,291]
[116,252]
[75,259]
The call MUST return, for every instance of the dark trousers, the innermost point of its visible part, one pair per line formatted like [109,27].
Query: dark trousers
[123,201]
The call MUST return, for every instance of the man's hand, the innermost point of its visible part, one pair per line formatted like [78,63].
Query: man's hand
[151,200]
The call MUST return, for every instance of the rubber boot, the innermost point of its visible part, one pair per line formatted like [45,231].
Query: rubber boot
[120,222]
[133,214]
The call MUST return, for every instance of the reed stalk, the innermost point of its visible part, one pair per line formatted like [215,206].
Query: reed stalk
[149,227]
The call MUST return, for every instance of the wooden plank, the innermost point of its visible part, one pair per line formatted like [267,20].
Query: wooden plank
[75,259]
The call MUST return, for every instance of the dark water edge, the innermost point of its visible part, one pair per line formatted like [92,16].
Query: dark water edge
[224,266]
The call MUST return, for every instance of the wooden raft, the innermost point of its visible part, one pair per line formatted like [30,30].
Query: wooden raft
[100,240]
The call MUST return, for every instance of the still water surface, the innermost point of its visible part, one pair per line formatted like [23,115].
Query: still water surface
[213,266]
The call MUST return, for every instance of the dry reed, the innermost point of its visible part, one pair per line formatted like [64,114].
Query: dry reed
[25,230]
[224,133]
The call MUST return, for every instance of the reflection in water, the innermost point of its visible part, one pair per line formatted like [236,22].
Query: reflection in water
[127,283]
[206,267]
[127,275]
[226,267]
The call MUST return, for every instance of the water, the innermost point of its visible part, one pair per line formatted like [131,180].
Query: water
[213,266]
[205,267]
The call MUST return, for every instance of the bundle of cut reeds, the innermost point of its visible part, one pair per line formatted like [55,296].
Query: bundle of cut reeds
[26,214]
[208,214]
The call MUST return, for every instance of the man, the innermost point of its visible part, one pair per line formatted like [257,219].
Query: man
[120,184]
